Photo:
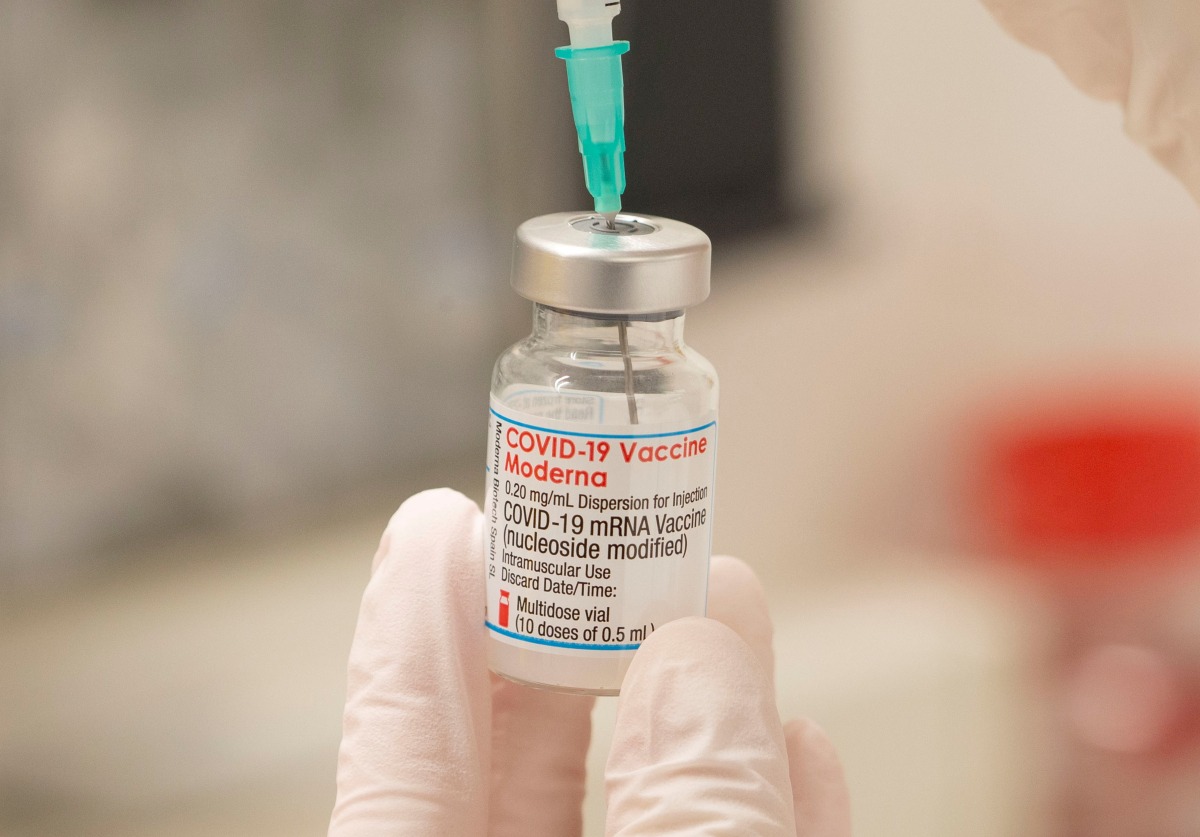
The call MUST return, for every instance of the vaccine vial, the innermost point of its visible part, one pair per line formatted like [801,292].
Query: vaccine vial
[601,451]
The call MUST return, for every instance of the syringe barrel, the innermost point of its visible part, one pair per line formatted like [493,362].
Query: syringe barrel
[590,21]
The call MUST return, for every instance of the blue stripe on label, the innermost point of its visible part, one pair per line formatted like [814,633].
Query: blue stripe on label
[583,646]
[603,435]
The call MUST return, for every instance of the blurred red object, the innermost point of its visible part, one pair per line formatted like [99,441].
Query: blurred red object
[1098,492]
[1096,486]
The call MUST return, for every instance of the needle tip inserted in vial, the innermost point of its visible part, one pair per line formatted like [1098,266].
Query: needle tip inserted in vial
[610,220]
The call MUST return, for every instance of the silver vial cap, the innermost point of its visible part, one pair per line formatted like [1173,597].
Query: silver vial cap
[647,265]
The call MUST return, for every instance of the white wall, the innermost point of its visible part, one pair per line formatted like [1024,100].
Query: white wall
[997,229]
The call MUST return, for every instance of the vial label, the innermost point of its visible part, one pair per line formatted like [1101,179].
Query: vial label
[595,534]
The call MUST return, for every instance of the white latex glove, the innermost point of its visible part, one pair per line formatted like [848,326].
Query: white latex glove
[1144,54]
[435,745]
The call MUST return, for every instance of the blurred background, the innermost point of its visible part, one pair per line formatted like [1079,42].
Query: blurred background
[253,276]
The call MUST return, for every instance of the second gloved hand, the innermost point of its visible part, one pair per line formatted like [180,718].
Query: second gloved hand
[1144,54]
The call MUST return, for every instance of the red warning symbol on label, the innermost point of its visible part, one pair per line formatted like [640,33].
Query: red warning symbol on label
[503,608]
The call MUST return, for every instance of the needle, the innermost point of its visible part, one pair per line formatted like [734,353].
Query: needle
[623,337]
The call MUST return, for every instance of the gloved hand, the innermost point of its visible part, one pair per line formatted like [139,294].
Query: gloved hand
[435,745]
[1144,54]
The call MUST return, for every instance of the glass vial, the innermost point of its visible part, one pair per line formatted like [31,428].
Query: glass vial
[601,452]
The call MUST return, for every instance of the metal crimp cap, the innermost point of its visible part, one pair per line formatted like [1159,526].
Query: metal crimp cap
[647,265]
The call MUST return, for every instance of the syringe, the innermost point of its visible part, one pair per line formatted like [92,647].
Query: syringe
[597,97]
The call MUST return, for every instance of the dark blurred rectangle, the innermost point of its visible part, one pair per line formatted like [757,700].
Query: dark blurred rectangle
[705,124]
